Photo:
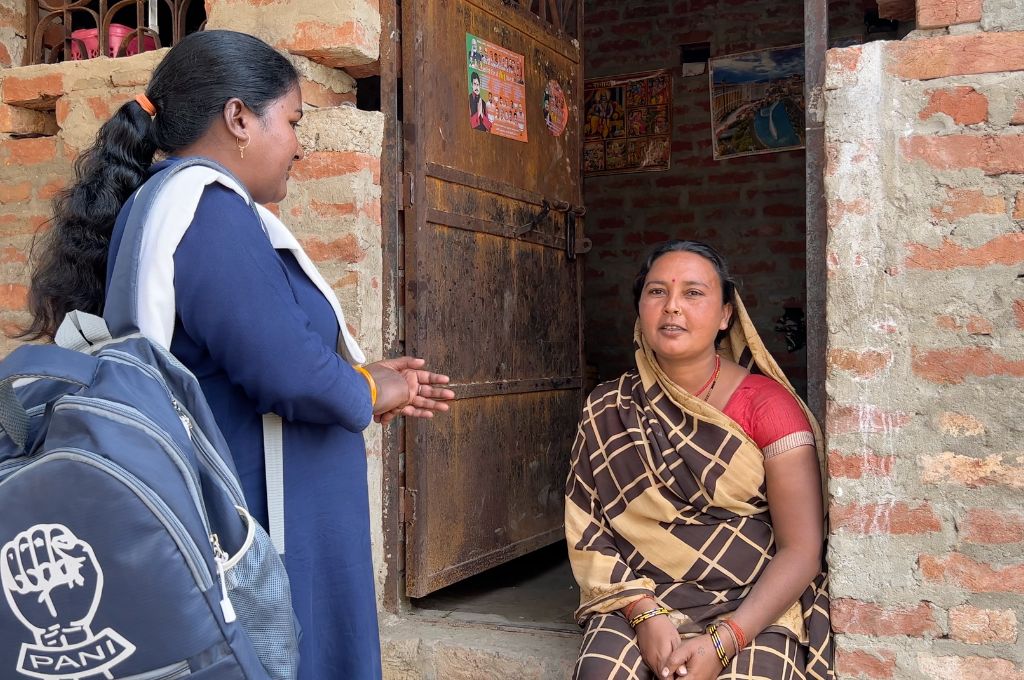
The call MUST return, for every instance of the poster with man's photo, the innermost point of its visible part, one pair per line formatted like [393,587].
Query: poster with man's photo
[627,123]
[497,89]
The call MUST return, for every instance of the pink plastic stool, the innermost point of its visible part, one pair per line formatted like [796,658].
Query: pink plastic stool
[88,38]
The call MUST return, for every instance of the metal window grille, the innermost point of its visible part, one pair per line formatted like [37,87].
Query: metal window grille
[64,30]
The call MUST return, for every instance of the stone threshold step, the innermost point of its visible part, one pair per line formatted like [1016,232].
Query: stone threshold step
[422,648]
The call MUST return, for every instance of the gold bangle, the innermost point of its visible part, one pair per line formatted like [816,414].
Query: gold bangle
[649,614]
[370,382]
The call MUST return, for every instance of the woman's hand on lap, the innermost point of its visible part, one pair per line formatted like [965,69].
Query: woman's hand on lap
[695,659]
[657,638]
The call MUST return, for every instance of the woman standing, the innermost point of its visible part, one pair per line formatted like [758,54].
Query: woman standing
[694,503]
[244,309]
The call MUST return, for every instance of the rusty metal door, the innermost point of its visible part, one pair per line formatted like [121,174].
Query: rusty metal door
[492,230]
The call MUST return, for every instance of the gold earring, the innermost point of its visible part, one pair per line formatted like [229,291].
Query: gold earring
[242,148]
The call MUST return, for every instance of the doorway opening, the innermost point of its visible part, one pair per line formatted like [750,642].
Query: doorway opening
[749,203]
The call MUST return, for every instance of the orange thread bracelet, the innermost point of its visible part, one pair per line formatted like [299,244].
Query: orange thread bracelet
[628,609]
[741,639]
[370,382]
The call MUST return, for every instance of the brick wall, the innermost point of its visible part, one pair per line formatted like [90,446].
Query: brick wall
[925,190]
[750,208]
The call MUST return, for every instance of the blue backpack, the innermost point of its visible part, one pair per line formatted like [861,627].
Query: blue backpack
[125,546]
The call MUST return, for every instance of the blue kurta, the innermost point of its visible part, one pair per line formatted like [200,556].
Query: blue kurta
[260,337]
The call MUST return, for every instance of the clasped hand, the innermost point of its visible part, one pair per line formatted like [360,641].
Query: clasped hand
[404,388]
[669,656]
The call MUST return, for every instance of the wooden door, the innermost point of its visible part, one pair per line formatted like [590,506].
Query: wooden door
[492,230]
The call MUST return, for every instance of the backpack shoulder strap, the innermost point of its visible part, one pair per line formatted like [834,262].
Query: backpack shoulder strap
[121,307]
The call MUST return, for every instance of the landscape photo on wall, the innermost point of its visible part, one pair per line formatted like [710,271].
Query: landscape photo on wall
[757,101]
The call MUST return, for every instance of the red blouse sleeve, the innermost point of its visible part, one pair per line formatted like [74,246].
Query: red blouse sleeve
[770,415]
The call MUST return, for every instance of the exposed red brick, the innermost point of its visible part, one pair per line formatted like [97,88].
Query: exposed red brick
[855,466]
[32,151]
[334,209]
[1018,114]
[978,577]
[784,210]
[1018,312]
[864,364]
[977,325]
[12,255]
[13,296]
[992,154]
[846,59]
[323,97]
[321,164]
[961,667]
[15,193]
[961,203]
[960,424]
[866,618]
[982,626]
[364,70]
[50,189]
[877,664]
[952,366]
[21,225]
[1018,206]
[18,120]
[344,249]
[103,107]
[992,470]
[710,197]
[965,105]
[947,322]
[956,55]
[863,418]
[33,92]
[942,13]
[838,209]
[336,45]
[992,527]
[884,518]
[1006,249]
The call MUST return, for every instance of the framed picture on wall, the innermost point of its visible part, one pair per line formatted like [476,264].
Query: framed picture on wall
[757,102]
[627,123]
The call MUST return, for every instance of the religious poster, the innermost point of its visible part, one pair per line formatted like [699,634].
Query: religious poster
[627,123]
[497,89]
[757,102]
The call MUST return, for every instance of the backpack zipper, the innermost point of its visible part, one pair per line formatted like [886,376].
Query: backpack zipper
[104,408]
[209,456]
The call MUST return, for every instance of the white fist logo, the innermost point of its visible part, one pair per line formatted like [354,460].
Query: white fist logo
[53,584]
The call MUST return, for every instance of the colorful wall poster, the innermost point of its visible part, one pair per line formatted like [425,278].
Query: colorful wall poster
[497,89]
[757,102]
[627,123]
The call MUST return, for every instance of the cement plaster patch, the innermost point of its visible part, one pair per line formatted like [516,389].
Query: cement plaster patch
[343,128]
[1002,15]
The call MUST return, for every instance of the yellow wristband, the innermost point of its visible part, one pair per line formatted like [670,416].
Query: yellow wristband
[370,382]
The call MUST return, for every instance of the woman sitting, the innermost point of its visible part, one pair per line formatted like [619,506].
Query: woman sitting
[694,502]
